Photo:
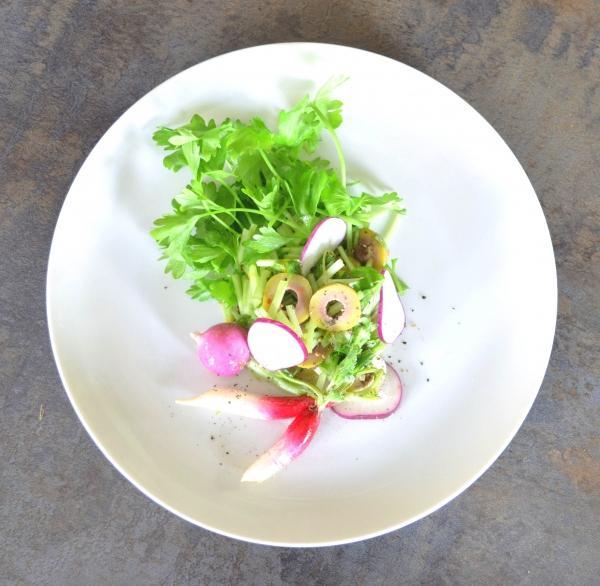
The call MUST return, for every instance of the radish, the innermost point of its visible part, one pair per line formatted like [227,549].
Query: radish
[238,402]
[223,348]
[390,316]
[293,442]
[388,401]
[274,345]
[326,235]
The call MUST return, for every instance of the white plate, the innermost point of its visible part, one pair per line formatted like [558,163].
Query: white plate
[474,243]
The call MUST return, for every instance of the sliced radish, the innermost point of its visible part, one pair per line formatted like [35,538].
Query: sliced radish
[274,345]
[326,235]
[388,401]
[390,316]
[238,402]
[293,442]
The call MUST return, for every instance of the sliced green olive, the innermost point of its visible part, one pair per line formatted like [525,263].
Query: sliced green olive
[335,307]
[316,357]
[370,247]
[298,288]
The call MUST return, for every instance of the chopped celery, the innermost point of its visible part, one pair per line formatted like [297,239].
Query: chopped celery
[278,297]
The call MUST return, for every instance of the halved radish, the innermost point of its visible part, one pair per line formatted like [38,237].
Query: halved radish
[390,317]
[274,345]
[238,402]
[293,442]
[390,395]
[326,235]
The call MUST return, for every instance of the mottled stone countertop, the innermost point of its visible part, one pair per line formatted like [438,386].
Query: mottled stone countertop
[69,68]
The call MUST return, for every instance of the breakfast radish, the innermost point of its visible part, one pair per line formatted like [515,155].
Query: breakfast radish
[293,442]
[326,235]
[237,402]
[390,395]
[223,348]
[390,316]
[274,345]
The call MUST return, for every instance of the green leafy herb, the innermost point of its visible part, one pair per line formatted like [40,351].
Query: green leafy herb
[253,196]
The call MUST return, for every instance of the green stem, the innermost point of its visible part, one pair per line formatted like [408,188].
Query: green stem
[293,225]
[390,228]
[235,196]
[337,144]
[276,217]
[200,216]
[268,164]
[349,263]
[222,210]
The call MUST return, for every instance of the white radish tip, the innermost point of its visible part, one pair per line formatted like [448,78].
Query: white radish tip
[196,336]
[255,475]
[266,466]
[188,400]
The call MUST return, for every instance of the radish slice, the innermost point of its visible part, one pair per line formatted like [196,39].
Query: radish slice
[388,401]
[274,345]
[237,402]
[293,442]
[326,235]
[390,316]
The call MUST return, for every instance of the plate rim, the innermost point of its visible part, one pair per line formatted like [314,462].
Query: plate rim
[240,536]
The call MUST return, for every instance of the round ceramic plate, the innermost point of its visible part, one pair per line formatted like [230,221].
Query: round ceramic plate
[474,248]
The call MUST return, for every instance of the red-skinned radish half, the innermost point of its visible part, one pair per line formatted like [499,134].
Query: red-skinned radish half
[274,345]
[390,395]
[293,442]
[326,235]
[223,348]
[390,315]
[237,402]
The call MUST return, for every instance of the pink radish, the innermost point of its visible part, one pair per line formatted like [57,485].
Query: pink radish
[238,402]
[274,345]
[293,442]
[390,316]
[326,235]
[223,348]
[390,395]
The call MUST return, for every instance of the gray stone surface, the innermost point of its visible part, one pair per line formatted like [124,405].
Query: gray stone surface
[68,68]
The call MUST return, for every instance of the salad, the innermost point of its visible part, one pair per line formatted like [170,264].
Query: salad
[282,240]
